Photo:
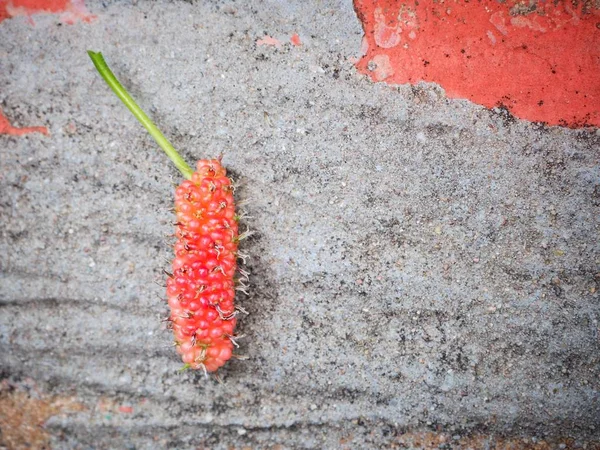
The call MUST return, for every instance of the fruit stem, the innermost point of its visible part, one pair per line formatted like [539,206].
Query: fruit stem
[139,114]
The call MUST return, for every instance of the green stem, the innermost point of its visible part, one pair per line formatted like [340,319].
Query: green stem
[139,114]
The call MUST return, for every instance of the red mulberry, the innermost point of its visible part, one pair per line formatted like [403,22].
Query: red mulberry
[201,291]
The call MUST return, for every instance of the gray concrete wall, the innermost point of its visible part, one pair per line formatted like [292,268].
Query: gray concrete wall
[419,263]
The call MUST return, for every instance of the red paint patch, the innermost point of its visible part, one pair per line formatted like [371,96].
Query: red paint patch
[126,409]
[541,64]
[7,128]
[269,41]
[70,10]
[295,40]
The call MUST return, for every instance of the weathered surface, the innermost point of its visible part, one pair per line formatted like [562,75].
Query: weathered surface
[419,264]
[538,59]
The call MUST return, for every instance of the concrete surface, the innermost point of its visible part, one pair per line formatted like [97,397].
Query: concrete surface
[420,265]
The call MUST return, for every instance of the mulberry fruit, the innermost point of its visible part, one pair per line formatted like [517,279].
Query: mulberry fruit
[201,288]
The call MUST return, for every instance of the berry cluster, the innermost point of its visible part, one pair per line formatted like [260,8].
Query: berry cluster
[201,290]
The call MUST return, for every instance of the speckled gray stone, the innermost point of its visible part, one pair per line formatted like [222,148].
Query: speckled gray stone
[419,263]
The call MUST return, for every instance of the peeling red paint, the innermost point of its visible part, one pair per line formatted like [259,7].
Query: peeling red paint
[540,60]
[269,41]
[125,409]
[295,40]
[70,10]
[7,128]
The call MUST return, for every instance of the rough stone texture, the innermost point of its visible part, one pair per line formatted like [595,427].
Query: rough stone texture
[419,263]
